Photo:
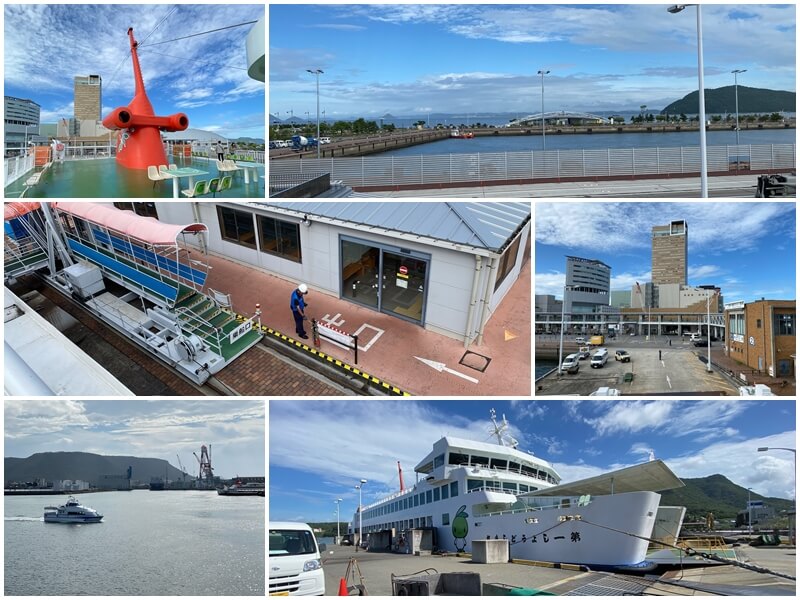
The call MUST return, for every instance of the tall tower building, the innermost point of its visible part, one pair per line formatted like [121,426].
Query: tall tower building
[88,97]
[589,283]
[669,253]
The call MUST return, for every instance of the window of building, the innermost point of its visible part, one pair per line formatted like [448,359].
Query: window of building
[281,238]
[237,226]
[784,324]
[507,262]
[143,209]
[758,323]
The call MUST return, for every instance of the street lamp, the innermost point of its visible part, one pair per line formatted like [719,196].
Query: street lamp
[794,479]
[543,73]
[702,96]
[360,528]
[708,329]
[749,514]
[338,501]
[736,89]
[317,72]
[561,336]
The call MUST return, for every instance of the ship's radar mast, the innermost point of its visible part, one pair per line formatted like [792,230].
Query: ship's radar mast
[499,431]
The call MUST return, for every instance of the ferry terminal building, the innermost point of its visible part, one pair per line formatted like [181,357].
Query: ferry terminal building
[445,266]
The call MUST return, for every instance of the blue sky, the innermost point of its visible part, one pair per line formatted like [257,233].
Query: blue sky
[319,450]
[144,428]
[746,248]
[46,46]
[418,58]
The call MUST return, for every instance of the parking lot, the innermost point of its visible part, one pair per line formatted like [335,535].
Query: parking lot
[657,368]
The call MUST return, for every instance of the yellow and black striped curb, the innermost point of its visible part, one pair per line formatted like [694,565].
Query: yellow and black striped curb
[384,386]
[548,565]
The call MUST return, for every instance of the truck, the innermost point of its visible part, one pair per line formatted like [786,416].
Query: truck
[300,142]
[597,340]
[295,562]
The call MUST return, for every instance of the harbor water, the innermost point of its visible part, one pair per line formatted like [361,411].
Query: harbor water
[595,141]
[192,543]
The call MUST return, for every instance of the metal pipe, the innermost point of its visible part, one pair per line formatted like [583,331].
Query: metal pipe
[487,297]
[473,300]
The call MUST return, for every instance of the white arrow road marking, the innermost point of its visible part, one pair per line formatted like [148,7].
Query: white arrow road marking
[332,320]
[439,366]
[668,382]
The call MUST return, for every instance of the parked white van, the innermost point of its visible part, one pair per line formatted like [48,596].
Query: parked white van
[599,358]
[295,564]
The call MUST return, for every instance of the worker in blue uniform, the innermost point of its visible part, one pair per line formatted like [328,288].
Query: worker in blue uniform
[298,306]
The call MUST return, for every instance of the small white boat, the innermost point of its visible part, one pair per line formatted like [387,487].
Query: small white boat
[251,488]
[71,512]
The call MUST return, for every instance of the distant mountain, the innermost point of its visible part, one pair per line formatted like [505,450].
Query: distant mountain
[247,140]
[273,120]
[723,100]
[717,494]
[86,466]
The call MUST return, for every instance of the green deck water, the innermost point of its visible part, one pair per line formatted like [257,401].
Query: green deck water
[104,178]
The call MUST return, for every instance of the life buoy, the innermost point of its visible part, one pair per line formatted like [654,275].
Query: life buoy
[59,147]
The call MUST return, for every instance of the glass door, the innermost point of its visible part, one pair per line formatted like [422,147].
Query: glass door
[360,273]
[403,285]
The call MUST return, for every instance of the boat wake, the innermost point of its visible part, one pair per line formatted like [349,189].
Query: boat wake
[35,519]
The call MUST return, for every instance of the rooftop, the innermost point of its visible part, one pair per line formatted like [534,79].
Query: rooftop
[484,225]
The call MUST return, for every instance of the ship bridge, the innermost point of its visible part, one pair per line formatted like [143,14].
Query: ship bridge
[560,118]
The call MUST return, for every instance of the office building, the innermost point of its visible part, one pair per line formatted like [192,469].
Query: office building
[88,97]
[761,335]
[21,123]
[670,246]
[588,285]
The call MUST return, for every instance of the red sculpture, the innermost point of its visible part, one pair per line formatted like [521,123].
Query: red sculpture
[138,140]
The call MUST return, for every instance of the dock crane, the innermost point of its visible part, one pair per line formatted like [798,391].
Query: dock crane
[180,464]
[205,477]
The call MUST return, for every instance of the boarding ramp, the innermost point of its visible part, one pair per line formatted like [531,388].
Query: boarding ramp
[24,245]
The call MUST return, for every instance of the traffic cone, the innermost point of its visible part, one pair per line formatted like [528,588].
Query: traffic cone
[343,588]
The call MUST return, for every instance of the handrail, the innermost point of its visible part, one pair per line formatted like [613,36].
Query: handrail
[181,312]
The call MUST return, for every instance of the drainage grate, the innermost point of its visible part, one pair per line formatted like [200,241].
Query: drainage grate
[611,586]
[475,361]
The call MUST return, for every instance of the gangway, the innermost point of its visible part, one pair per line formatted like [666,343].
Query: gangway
[139,275]
[25,250]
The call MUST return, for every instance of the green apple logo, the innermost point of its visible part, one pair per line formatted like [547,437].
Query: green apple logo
[460,529]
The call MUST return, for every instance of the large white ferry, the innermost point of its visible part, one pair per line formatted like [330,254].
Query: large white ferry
[469,491]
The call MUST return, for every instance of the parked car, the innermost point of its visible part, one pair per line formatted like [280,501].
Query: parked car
[324,140]
[580,340]
[571,364]
[606,391]
[702,343]
[622,355]
[599,358]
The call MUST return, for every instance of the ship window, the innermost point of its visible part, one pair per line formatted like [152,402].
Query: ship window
[445,493]
[429,496]
[446,519]
[405,503]
[512,466]
[510,487]
[458,459]
[498,463]
[438,461]
[435,494]
[416,500]
[474,484]
[454,489]
[494,485]
[422,499]
[523,488]
[480,460]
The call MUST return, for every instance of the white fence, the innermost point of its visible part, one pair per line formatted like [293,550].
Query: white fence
[545,165]
[14,168]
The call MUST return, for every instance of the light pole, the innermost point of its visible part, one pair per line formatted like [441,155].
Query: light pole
[338,501]
[794,481]
[736,91]
[749,514]
[360,529]
[317,72]
[543,73]
[702,96]
[708,330]
[561,336]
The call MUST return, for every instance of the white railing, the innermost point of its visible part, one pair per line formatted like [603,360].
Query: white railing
[443,169]
[16,167]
